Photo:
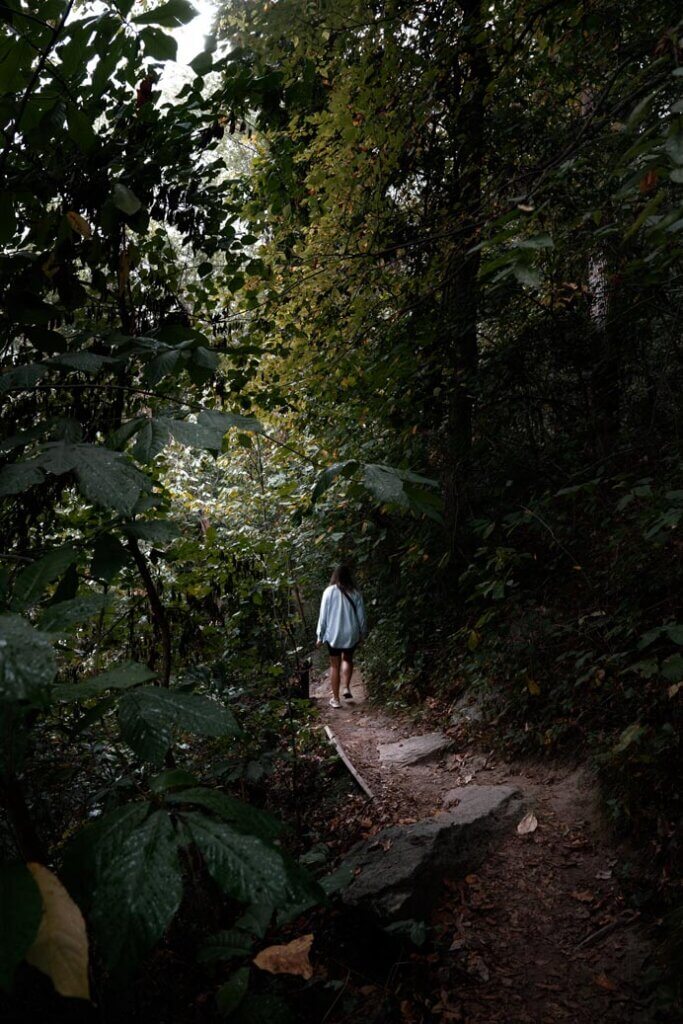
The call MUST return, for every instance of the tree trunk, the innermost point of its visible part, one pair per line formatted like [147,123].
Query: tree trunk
[470,77]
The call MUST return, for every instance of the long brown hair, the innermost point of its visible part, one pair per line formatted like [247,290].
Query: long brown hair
[343,579]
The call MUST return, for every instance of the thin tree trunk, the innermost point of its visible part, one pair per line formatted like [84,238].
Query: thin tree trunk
[159,617]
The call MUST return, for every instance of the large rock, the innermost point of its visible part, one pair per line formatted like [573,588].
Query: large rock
[414,749]
[400,870]
[466,710]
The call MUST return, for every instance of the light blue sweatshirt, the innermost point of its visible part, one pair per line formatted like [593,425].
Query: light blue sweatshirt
[338,625]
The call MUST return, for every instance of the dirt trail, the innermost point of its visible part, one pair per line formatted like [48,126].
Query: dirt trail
[540,934]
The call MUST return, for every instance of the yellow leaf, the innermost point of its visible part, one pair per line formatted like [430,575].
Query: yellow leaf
[61,946]
[473,640]
[291,958]
[79,224]
[533,687]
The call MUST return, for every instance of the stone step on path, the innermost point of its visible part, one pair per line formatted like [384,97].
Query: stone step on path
[414,750]
[399,872]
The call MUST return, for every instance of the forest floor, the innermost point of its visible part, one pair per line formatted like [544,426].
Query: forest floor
[540,934]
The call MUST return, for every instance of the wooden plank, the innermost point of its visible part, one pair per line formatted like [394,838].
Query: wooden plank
[336,743]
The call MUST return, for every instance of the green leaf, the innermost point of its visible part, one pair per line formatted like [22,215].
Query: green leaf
[159,45]
[21,377]
[152,439]
[22,911]
[32,581]
[121,677]
[118,438]
[231,994]
[201,65]
[59,617]
[632,734]
[125,200]
[104,477]
[675,633]
[138,893]
[242,816]
[171,14]
[27,660]
[329,475]
[220,422]
[244,866]
[225,945]
[109,557]
[174,778]
[526,274]
[19,477]
[149,716]
[535,242]
[672,668]
[96,845]
[384,483]
[160,531]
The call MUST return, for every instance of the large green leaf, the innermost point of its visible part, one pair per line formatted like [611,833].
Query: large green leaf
[121,677]
[138,893]
[149,716]
[151,439]
[32,580]
[330,474]
[21,911]
[171,14]
[21,377]
[160,531]
[244,866]
[220,422]
[27,660]
[104,476]
[62,616]
[242,816]
[109,557]
[18,477]
[93,848]
[159,44]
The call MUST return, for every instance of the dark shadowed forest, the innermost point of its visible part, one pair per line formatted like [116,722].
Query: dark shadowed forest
[292,283]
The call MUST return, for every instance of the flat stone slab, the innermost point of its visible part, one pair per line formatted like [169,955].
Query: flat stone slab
[414,749]
[400,870]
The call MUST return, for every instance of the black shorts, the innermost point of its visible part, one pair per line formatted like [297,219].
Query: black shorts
[341,650]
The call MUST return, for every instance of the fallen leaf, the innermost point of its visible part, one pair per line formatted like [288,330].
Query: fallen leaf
[476,968]
[529,823]
[61,946]
[292,958]
[472,879]
[583,897]
[604,982]
[604,875]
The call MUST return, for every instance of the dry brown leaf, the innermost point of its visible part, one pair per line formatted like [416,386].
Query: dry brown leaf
[604,982]
[61,946]
[292,958]
[583,897]
[529,823]
[79,224]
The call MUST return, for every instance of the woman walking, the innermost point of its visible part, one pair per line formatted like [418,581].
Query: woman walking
[341,625]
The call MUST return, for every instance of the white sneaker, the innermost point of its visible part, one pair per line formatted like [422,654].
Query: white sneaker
[347,695]
[334,703]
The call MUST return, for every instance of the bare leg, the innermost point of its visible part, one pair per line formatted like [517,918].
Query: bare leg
[346,671]
[334,674]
